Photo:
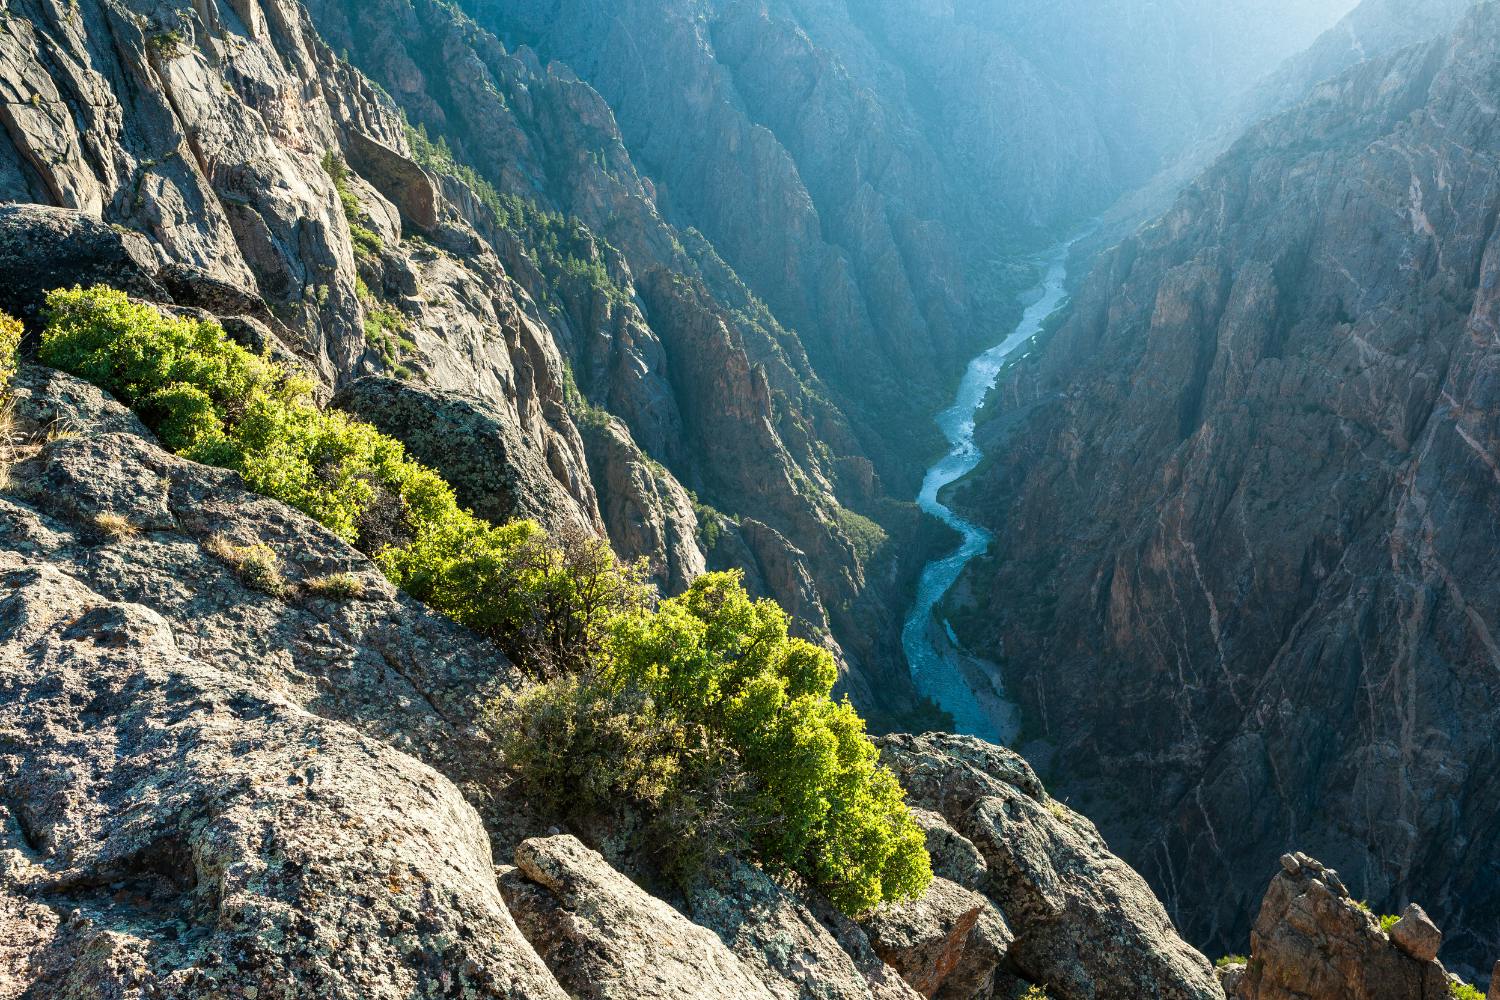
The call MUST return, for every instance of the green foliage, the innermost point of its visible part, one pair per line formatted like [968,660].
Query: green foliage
[1463,991]
[337,587]
[867,537]
[701,711]
[210,399]
[1389,920]
[1228,960]
[550,607]
[10,346]
[1035,993]
[825,808]
[710,524]
[166,44]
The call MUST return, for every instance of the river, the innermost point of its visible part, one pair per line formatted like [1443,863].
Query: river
[939,668]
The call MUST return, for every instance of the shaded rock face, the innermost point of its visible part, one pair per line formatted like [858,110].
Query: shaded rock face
[647,512]
[853,161]
[1051,877]
[480,453]
[1311,940]
[1246,503]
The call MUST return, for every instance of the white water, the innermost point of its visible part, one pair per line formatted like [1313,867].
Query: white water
[936,670]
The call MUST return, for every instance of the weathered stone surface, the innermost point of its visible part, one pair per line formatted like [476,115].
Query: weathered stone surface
[481,453]
[1061,891]
[788,946]
[1416,934]
[954,856]
[1494,993]
[1311,940]
[1251,481]
[926,939]
[605,939]
[217,788]
[43,248]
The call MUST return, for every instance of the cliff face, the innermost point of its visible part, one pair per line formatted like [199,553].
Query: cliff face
[217,786]
[1246,507]
[270,181]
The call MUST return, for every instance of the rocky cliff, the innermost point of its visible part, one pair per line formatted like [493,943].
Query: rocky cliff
[246,168]
[1246,506]
[215,786]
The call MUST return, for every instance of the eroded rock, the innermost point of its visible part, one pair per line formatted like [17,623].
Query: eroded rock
[1312,940]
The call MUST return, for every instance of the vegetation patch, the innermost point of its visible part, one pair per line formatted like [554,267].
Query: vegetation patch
[1228,960]
[700,713]
[336,587]
[114,527]
[258,566]
[367,242]
[562,246]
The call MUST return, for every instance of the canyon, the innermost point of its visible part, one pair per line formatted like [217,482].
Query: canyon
[1211,551]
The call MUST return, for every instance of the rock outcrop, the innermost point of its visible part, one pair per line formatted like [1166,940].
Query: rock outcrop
[479,452]
[1312,940]
[221,779]
[606,939]
[1248,495]
[1051,875]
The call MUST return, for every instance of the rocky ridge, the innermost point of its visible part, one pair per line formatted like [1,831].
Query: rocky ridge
[214,785]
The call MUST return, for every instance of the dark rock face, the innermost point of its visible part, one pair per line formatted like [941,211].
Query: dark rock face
[1247,506]
[479,452]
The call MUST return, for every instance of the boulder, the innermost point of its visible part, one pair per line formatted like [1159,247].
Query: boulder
[1085,924]
[173,826]
[481,450]
[395,176]
[799,948]
[606,939]
[1416,934]
[925,939]
[43,248]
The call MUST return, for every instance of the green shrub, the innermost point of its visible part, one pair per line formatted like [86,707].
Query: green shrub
[1228,960]
[1388,921]
[212,400]
[821,804]
[10,346]
[549,606]
[1463,991]
[702,711]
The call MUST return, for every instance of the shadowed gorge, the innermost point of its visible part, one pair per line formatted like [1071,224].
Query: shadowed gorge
[752,499]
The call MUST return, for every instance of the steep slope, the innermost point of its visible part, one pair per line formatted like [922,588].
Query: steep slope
[862,165]
[214,786]
[1246,505]
[275,183]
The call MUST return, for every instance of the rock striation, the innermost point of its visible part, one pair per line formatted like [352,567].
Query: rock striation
[1245,501]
